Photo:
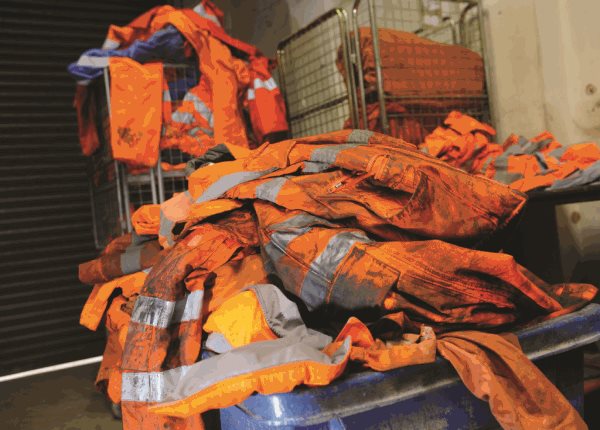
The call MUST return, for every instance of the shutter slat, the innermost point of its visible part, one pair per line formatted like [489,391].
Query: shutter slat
[45,213]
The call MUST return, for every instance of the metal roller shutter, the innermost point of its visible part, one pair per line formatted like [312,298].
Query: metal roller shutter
[45,217]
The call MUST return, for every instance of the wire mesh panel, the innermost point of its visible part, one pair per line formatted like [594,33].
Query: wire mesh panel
[319,98]
[117,190]
[417,61]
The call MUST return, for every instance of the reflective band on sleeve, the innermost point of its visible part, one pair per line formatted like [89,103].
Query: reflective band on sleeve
[269,84]
[183,117]
[251,95]
[360,136]
[328,154]
[165,228]
[149,386]
[269,190]
[189,308]
[314,167]
[206,131]
[153,311]
[162,313]
[227,182]
[131,260]
[301,220]
[90,61]
[201,108]
[166,95]
[323,268]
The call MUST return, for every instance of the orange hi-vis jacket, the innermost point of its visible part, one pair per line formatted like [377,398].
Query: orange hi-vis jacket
[233,74]
[524,164]
[343,222]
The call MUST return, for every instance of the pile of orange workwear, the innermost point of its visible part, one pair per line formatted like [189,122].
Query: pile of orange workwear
[524,164]
[146,114]
[267,262]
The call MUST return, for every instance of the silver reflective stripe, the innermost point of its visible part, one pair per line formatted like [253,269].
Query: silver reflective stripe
[360,136]
[110,44]
[216,342]
[149,386]
[558,152]
[90,61]
[251,95]
[269,84]
[269,190]
[153,311]
[200,10]
[248,359]
[183,117]
[162,313]
[299,344]
[328,154]
[189,308]
[323,268]
[165,228]
[147,270]
[225,183]
[131,260]
[166,95]
[302,220]
[201,108]
[314,167]
[206,131]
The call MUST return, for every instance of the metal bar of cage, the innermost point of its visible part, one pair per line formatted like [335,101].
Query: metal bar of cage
[394,16]
[328,111]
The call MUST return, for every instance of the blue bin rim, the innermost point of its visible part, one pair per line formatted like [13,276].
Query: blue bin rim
[367,390]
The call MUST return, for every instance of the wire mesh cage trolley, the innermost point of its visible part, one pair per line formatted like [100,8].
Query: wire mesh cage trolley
[318,97]
[417,60]
[116,190]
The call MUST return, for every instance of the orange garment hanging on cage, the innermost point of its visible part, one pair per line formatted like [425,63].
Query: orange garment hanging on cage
[136,92]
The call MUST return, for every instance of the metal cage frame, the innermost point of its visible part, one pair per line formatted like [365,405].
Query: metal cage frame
[127,189]
[458,33]
[346,92]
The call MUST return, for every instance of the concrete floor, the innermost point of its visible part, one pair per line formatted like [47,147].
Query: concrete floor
[63,400]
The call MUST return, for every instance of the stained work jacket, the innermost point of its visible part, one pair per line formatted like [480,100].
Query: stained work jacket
[234,76]
[524,164]
[350,221]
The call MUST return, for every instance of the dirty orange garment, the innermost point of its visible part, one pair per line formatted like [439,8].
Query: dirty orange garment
[135,111]
[494,369]
[121,257]
[345,221]
[524,164]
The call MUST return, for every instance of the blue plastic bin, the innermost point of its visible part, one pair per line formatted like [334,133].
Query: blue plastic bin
[420,397]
